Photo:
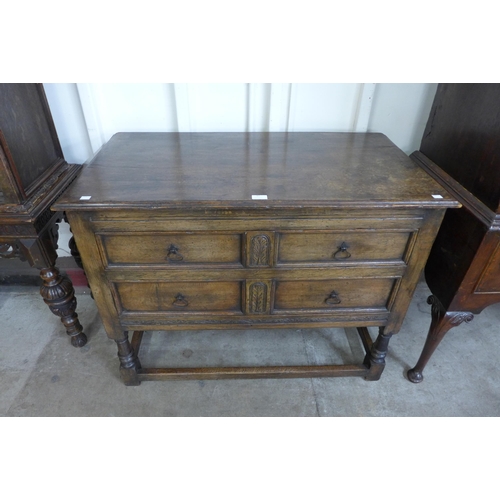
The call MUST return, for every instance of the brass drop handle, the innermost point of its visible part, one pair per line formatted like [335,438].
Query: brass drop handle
[342,253]
[333,298]
[180,301]
[173,253]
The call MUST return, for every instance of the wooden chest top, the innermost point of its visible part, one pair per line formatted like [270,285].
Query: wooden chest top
[227,170]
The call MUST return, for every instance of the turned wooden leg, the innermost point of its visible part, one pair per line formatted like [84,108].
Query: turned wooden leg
[129,363]
[75,253]
[58,293]
[442,322]
[376,359]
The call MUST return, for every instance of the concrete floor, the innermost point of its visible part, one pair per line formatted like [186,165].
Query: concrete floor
[41,374]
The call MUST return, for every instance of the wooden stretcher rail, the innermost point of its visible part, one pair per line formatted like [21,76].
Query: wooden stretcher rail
[246,372]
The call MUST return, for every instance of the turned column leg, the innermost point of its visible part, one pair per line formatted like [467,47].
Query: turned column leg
[58,293]
[376,359]
[442,322]
[75,253]
[129,363]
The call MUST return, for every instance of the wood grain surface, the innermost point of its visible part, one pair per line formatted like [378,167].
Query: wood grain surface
[184,170]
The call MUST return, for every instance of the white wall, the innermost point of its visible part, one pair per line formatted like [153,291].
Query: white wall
[400,111]
[68,118]
[87,115]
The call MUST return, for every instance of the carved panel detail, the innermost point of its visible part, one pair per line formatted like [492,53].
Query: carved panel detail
[58,293]
[10,251]
[260,250]
[258,298]
[43,219]
[443,320]
[16,230]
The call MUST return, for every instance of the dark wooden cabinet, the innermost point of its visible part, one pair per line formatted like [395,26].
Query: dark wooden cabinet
[33,174]
[208,231]
[461,149]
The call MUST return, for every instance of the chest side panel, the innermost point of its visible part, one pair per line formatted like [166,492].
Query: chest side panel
[490,278]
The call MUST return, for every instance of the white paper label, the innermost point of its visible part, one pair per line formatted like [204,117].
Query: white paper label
[437,196]
[85,197]
[259,196]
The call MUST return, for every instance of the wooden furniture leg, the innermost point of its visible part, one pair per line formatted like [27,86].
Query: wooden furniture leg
[78,259]
[75,253]
[58,293]
[56,290]
[442,322]
[129,363]
[376,359]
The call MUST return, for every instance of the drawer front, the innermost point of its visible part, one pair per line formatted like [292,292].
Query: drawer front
[182,297]
[325,295]
[176,249]
[334,247]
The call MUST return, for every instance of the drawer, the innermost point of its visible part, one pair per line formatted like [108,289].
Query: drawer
[333,294]
[176,249]
[331,246]
[180,297]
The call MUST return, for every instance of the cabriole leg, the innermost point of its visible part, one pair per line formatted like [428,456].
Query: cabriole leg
[442,322]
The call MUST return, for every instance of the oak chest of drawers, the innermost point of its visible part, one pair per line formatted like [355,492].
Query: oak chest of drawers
[259,230]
